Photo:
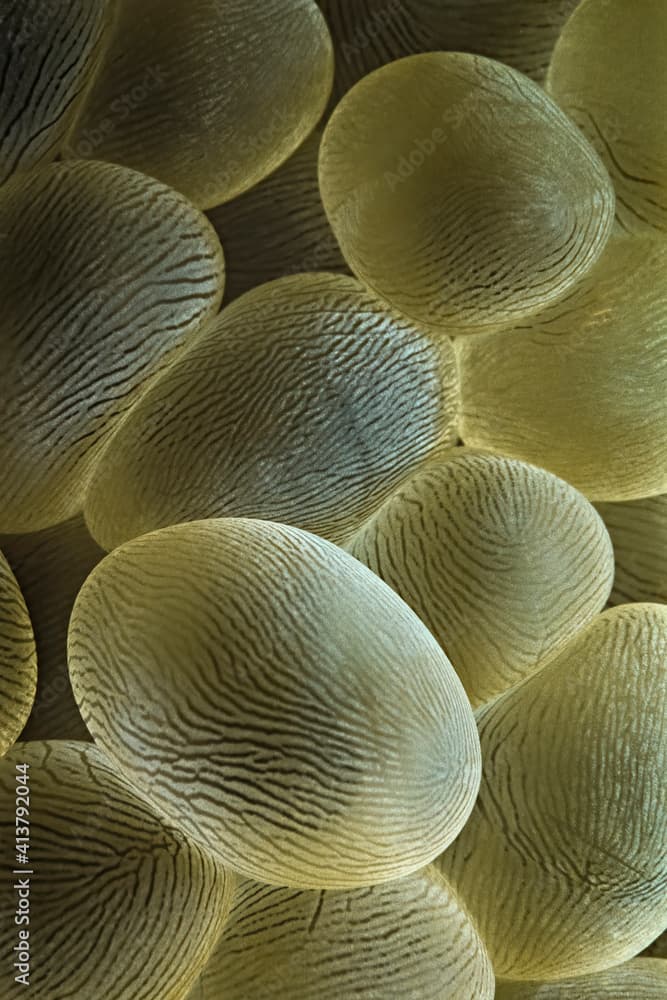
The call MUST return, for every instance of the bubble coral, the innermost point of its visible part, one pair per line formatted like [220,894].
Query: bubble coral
[119,905]
[501,560]
[563,863]
[305,402]
[103,275]
[237,672]
[460,193]
[207,97]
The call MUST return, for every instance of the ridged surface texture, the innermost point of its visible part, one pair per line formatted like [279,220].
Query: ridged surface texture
[18,659]
[563,864]
[502,561]
[368,34]
[121,906]
[609,74]
[48,54]
[304,402]
[461,193]
[103,274]
[642,979]
[50,566]
[638,530]
[277,701]
[279,227]
[405,940]
[208,96]
[580,389]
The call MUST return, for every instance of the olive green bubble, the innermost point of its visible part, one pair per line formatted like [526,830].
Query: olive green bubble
[609,73]
[410,937]
[564,860]
[238,672]
[119,905]
[306,401]
[207,97]
[579,389]
[50,566]
[501,560]
[104,273]
[460,193]
[49,52]
[18,659]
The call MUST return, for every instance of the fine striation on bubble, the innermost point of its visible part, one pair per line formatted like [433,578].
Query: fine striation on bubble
[563,864]
[120,905]
[609,74]
[638,530]
[18,659]
[306,402]
[501,560]
[461,193]
[277,701]
[103,275]
[580,389]
[50,566]
[279,227]
[409,938]
[207,97]
[49,52]
[641,979]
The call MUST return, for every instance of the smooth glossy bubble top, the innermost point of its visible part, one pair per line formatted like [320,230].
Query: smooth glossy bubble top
[103,274]
[49,50]
[580,389]
[305,401]
[563,863]
[409,936]
[642,979]
[50,566]
[461,193]
[368,34]
[277,701]
[279,227]
[207,97]
[18,659]
[638,530]
[609,73]
[501,560]
[120,905]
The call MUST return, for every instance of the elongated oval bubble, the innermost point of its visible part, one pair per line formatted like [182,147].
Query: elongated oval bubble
[48,52]
[276,701]
[18,659]
[409,935]
[502,561]
[103,274]
[609,74]
[638,531]
[461,193]
[279,227]
[580,388]
[306,401]
[368,34]
[50,566]
[563,863]
[207,97]
[119,905]
[642,979]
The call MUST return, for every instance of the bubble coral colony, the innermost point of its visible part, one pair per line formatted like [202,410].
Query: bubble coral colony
[333,485]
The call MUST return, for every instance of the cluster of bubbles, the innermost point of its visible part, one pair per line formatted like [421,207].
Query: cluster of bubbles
[333,507]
